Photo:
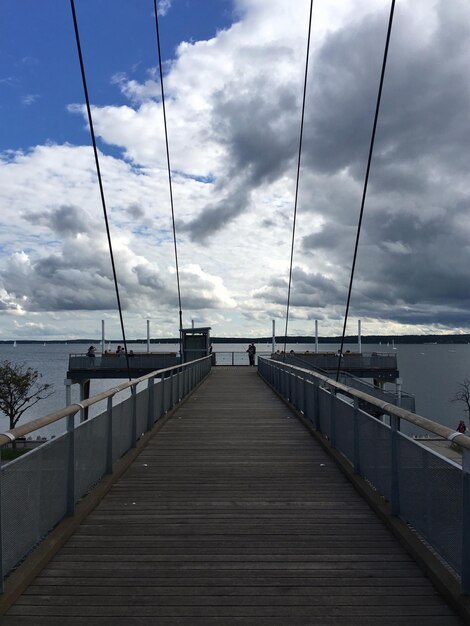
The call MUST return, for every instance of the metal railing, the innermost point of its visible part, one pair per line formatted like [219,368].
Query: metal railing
[41,487]
[140,360]
[235,358]
[352,360]
[428,491]
[401,398]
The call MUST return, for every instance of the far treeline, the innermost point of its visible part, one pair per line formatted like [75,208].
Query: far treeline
[375,339]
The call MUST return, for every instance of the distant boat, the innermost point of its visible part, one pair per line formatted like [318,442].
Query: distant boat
[14,344]
[393,344]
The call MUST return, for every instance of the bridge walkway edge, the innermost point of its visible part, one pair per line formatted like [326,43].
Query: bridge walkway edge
[233,514]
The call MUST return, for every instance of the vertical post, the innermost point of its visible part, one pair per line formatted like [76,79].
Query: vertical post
[84,395]
[162,382]
[398,383]
[174,388]
[359,338]
[148,335]
[103,343]
[316,336]
[316,404]
[192,323]
[332,418]
[71,465]
[465,522]
[274,337]
[395,477]
[2,589]
[356,439]
[150,403]
[134,415]
[304,395]
[68,391]
[109,436]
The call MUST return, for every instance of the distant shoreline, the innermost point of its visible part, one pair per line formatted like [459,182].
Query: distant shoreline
[365,339]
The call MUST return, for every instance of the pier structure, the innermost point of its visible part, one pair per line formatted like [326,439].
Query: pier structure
[82,368]
[235,495]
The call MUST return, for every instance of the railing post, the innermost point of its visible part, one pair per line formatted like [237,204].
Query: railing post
[71,465]
[303,408]
[332,418]
[465,579]
[172,389]
[181,384]
[134,415]
[150,403]
[109,437]
[316,405]
[356,439]
[1,530]
[394,469]
[162,379]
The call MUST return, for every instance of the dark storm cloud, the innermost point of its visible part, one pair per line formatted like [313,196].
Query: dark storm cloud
[54,284]
[308,290]
[135,211]
[66,221]
[414,253]
[254,123]
[413,250]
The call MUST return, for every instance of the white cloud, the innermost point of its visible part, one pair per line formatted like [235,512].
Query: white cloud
[30,99]
[233,111]
[164,6]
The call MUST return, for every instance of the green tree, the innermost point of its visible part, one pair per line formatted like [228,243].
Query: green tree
[20,389]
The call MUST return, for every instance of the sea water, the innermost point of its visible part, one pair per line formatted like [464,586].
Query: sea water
[431,373]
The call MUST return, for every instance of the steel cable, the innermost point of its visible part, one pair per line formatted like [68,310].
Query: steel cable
[169,176]
[100,181]
[366,181]
[298,172]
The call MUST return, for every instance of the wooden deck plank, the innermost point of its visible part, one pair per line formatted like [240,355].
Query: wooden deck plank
[193,620]
[232,515]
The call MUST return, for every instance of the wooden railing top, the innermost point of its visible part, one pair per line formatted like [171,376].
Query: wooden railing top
[386,407]
[51,418]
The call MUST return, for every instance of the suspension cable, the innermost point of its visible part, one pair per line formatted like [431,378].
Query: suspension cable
[100,181]
[160,66]
[298,172]
[366,181]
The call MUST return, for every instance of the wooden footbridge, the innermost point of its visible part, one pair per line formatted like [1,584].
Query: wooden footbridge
[231,513]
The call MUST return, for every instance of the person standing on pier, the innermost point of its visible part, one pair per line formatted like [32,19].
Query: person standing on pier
[251,353]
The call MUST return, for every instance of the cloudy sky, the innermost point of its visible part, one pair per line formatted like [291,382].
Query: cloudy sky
[233,80]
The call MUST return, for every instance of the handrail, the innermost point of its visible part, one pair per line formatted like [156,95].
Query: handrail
[387,407]
[51,418]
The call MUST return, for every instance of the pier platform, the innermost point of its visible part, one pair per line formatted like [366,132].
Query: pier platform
[233,514]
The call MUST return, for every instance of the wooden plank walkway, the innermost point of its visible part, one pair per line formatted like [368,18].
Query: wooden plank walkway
[232,515]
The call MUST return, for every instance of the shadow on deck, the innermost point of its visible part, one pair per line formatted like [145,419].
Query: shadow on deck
[232,514]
